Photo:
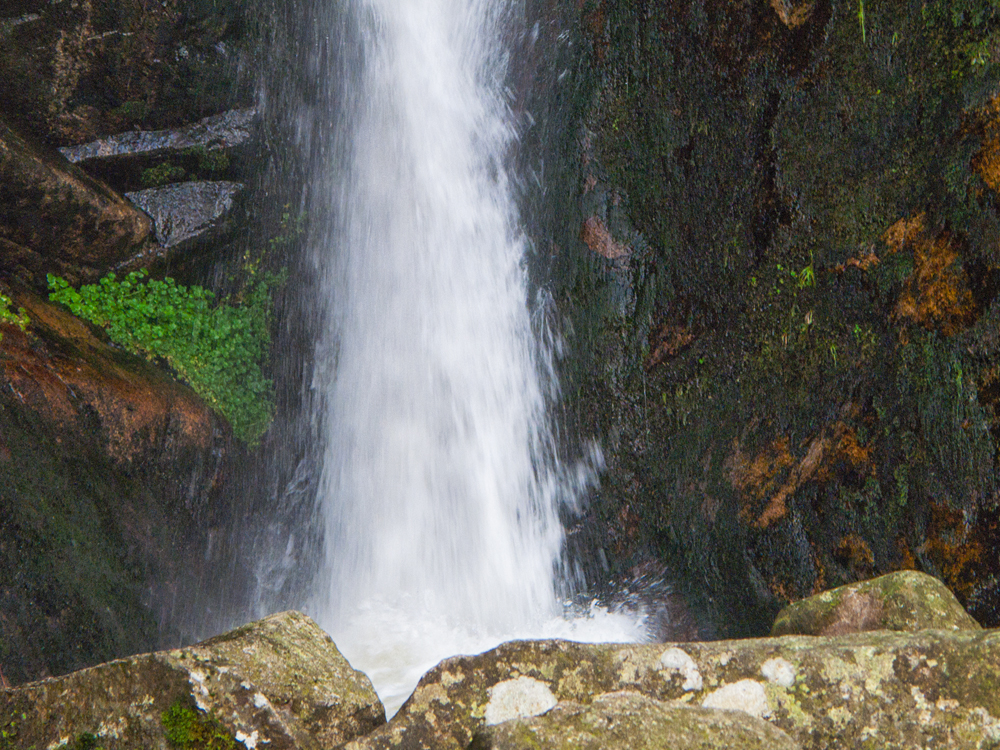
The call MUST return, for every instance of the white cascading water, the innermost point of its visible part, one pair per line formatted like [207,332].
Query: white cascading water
[439,492]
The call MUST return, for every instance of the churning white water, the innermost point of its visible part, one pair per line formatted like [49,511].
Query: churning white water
[439,491]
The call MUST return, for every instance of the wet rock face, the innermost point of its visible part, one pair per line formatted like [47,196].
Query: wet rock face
[932,688]
[793,372]
[58,217]
[79,70]
[187,210]
[113,472]
[903,601]
[278,683]
[141,417]
[110,472]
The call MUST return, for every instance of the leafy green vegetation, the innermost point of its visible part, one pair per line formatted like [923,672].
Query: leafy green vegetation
[197,162]
[217,349]
[132,110]
[188,729]
[19,318]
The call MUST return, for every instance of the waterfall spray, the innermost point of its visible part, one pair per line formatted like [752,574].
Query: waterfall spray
[439,489]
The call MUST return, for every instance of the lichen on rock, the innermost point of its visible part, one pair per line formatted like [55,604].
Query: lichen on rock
[631,721]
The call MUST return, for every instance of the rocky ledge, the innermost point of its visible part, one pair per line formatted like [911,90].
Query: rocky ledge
[280,683]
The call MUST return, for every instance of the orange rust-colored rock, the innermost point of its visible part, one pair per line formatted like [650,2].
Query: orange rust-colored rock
[777,507]
[669,340]
[953,545]
[862,263]
[757,479]
[986,162]
[854,553]
[937,294]
[595,21]
[66,374]
[597,237]
[793,14]
[854,455]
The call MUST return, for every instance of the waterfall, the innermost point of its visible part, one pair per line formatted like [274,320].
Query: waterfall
[439,492]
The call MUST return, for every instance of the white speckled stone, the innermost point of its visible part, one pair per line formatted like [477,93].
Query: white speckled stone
[778,672]
[517,699]
[678,660]
[747,696]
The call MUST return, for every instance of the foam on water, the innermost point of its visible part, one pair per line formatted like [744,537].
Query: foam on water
[440,490]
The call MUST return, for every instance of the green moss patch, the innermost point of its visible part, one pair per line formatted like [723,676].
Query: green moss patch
[187,728]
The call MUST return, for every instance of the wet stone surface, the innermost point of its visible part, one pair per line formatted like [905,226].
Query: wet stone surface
[185,211]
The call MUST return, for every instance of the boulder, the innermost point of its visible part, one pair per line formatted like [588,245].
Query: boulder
[55,210]
[904,601]
[886,689]
[186,211]
[279,683]
[632,721]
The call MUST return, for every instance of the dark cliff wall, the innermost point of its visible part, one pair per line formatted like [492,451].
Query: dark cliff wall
[779,275]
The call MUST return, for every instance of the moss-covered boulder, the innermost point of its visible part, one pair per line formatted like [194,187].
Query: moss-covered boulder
[278,683]
[935,688]
[632,721]
[904,601]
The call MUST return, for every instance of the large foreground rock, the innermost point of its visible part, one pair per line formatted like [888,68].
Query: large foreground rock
[906,601]
[631,721]
[935,688]
[279,683]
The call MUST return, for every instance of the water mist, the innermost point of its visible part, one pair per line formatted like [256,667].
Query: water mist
[440,488]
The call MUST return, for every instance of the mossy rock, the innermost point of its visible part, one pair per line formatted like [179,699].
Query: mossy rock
[632,721]
[903,601]
[65,219]
[278,683]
